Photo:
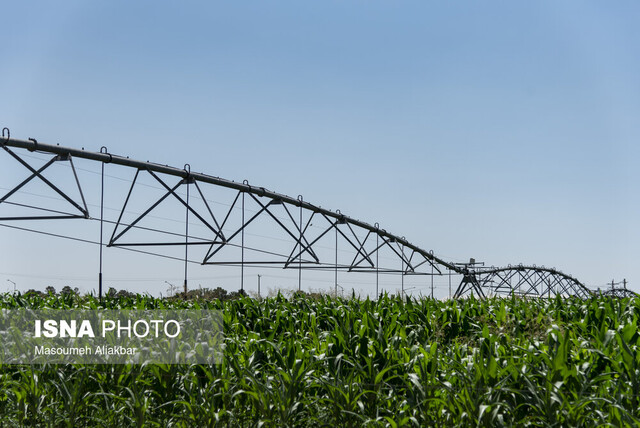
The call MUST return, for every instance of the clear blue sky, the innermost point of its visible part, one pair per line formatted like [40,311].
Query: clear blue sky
[505,131]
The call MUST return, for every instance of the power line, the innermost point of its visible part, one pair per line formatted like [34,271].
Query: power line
[88,241]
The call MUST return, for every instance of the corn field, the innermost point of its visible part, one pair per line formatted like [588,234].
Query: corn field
[329,362]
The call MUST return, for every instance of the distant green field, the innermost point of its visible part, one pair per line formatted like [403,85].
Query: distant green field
[339,362]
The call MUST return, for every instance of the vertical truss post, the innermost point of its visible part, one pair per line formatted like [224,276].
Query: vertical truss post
[336,266]
[103,149]
[300,246]
[377,260]
[242,249]
[402,272]
[513,291]
[187,181]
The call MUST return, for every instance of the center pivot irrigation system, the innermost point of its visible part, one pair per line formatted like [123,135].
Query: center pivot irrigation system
[309,235]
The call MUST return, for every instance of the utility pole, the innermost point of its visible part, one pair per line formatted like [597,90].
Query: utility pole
[431,252]
[613,283]
[259,286]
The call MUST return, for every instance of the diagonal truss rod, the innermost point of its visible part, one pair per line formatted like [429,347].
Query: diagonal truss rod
[170,191]
[38,173]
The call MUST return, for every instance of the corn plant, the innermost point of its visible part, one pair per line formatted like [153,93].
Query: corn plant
[328,361]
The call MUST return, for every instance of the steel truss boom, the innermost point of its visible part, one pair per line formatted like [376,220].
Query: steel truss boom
[412,255]
[620,293]
[533,281]
[364,241]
